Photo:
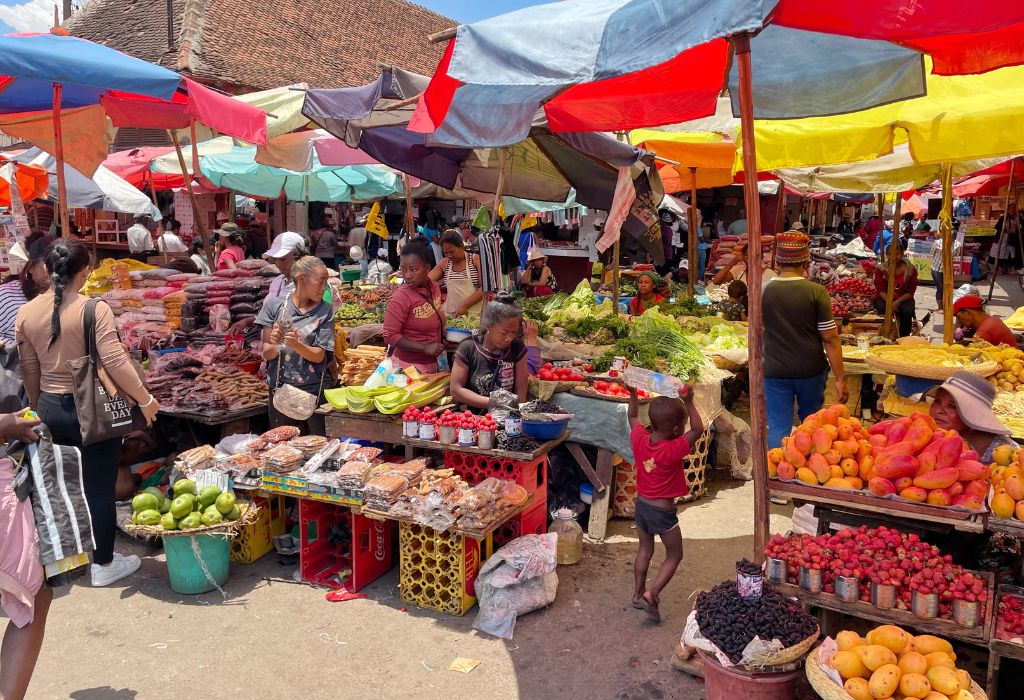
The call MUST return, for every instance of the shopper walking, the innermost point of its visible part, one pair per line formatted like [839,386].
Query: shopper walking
[799,332]
[50,332]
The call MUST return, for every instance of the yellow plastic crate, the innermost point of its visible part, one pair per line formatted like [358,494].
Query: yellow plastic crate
[255,540]
[438,570]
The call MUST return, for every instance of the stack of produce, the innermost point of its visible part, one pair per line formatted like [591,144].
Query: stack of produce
[189,509]
[1008,483]
[190,461]
[908,457]
[579,318]
[730,622]
[953,357]
[353,475]
[434,503]
[238,389]
[656,342]
[282,459]
[390,400]
[308,445]
[381,492]
[1010,617]
[851,295]
[351,315]
[489,501]
[891,662]
[1010,377]
[548,372]
[229,353]
[883,556]
[359,364]
[713,334]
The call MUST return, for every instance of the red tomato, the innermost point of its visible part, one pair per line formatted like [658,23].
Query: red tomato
[601,386]
[547,365]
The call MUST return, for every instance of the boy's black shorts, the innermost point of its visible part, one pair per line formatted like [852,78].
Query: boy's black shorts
[654,520]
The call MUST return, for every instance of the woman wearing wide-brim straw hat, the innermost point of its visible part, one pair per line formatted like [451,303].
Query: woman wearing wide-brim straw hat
[537,279]
[964,403]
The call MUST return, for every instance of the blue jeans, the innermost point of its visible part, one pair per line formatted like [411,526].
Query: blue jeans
[779,394]
[937,277]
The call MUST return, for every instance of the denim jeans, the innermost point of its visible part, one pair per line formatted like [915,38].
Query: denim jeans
[937,277]
[779,394]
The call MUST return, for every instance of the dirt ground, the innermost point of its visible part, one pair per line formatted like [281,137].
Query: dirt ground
[139,639]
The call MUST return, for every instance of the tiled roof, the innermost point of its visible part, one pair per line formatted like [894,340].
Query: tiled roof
[324,44]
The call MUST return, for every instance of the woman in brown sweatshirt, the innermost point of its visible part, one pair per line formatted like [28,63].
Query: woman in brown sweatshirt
[50,332]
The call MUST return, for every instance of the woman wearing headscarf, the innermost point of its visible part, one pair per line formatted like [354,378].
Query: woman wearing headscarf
[646,293]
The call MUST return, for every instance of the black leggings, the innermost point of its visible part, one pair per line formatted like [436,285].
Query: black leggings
[99,468]
[904,313]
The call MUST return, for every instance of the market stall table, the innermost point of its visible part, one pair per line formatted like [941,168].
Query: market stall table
[230,422]
[374,427]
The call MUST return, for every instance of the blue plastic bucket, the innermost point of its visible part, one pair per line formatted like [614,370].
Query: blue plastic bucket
[186,573]
[911,386]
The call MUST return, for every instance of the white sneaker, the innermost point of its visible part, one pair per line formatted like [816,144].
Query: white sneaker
[120,567]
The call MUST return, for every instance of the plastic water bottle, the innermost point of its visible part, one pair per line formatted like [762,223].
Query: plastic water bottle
[653,382]
[379,377]
[698,289]
[570,537]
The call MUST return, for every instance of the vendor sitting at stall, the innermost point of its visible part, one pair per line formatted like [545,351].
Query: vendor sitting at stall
[970,314]
[736,267]
[964,403]
[904,286]
[646,293]
[492,359]
[537,279]
[414,322]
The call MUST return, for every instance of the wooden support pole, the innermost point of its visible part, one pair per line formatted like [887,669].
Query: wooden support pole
[196,216]
[890,263]
[694,234]
[780,208]
[62,188]
[755,330]
[410,215]
[1002,234]
[946,231]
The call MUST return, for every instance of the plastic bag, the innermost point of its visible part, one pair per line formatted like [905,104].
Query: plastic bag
[501,398]
[517,579]
[220,318]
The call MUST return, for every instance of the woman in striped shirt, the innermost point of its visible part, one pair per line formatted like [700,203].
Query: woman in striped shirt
[15,293]
[461,274]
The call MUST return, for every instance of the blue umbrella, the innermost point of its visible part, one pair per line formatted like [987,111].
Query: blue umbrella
[238,170]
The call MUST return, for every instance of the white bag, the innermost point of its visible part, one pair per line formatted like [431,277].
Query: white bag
[517,579]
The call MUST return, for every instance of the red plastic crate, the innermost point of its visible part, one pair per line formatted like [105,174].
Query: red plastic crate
[368,554]
[533,521]
[474,468]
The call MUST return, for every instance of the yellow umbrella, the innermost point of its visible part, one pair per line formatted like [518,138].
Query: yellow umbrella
[961,118]
[710,157]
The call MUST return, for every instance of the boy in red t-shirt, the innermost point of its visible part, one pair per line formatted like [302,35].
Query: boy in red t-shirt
[658,453]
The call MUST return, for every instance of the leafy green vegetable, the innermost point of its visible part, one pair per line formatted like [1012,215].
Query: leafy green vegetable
[684,306]
[466,322]
[663,334]
[638,354]
[554,302]
[583,295]
[533,309]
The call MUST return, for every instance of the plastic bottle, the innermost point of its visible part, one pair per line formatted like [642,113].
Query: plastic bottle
[654,382]
[570,537]
[379,377]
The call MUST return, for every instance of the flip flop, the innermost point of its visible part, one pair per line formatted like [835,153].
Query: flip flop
[651,609]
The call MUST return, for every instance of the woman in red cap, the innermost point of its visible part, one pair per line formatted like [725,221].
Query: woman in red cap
[970,314]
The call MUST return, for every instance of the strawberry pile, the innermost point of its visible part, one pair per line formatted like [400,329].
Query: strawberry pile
[851,295]
[549,373]
[419,415]
[856,285]
[466,421]
[1011,614]
[882,556]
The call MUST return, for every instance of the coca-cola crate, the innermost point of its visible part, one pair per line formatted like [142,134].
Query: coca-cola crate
[366,550]
[533,521]
[474,468]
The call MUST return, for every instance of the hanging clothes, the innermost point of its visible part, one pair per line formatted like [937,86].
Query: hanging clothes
[509,257]
[490,260]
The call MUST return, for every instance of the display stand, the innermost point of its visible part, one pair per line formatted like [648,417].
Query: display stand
[323,563]
[230,422]
[375,427]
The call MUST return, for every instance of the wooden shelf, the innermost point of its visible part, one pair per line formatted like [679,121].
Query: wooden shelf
[541,450]
[903,618]
[855,501]
[1005,525]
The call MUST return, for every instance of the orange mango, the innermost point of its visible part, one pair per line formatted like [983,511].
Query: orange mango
[939,497]
[893,466]
[969,470]
[820,441]
[914,493]
[938,479]
[833,457]
[904,482]
[928,457]
[830,430]
[919,435]
[775,455]
[1003,505]
[866,467]
[786,471]
[849,467]
[856,482]
[838,483]
[1014,486]
[806,475]
[881,486]
[926,418]
[793,455]
[949,452]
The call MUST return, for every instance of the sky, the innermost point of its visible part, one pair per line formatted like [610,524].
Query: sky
[37,15]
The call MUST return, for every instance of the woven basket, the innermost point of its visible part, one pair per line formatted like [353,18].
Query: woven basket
[827,688]
[624,500]
[695,466]
[876,358]
[228,528]
[783,656]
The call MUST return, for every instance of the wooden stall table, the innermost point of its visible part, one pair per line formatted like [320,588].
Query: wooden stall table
[230,422]
[541,450]
[853,506]
[373,426]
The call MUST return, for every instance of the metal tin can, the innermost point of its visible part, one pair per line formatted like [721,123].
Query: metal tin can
[966,613]
[883,595]
[411,428]
[924,605]
[847,588]
[446,434]
[467,436]
[775,570]
[513,425]
[749,587]
[618,363]
[427,431]
[810,580]
[485,439]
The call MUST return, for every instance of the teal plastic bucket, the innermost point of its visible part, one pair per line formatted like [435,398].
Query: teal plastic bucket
[186,572]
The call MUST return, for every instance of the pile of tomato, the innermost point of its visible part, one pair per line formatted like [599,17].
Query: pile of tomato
[618,391]
[549,373]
